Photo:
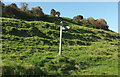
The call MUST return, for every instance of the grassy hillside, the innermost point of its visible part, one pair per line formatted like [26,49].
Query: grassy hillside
[31,48]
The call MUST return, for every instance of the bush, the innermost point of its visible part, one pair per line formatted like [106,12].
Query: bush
[37,11]
[78,18]
[100,24]
[90,20]
[13,11]
[84,21]
[9,11]
[58,13]
[13,5]
[53,12]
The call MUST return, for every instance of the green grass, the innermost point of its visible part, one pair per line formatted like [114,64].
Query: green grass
[31,48]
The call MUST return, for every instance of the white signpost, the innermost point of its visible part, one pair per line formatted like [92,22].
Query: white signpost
[62,27]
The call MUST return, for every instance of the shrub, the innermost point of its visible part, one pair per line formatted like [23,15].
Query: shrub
[53,12]
[90,20]
[78,18]
[95,24]
[37,11]
[13,5]
[100,24]
[9,11]
[84,21]
[58,13]
[13,11]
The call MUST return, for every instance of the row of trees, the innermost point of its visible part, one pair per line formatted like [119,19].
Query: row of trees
[13,11]
[95,23]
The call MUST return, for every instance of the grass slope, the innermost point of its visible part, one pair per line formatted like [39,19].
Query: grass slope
[31,48]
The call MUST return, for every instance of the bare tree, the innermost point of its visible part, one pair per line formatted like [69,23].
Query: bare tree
[24,6]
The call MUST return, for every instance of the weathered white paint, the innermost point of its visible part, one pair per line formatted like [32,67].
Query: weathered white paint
[60,46]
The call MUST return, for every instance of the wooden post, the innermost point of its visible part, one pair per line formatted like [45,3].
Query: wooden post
[60,46]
